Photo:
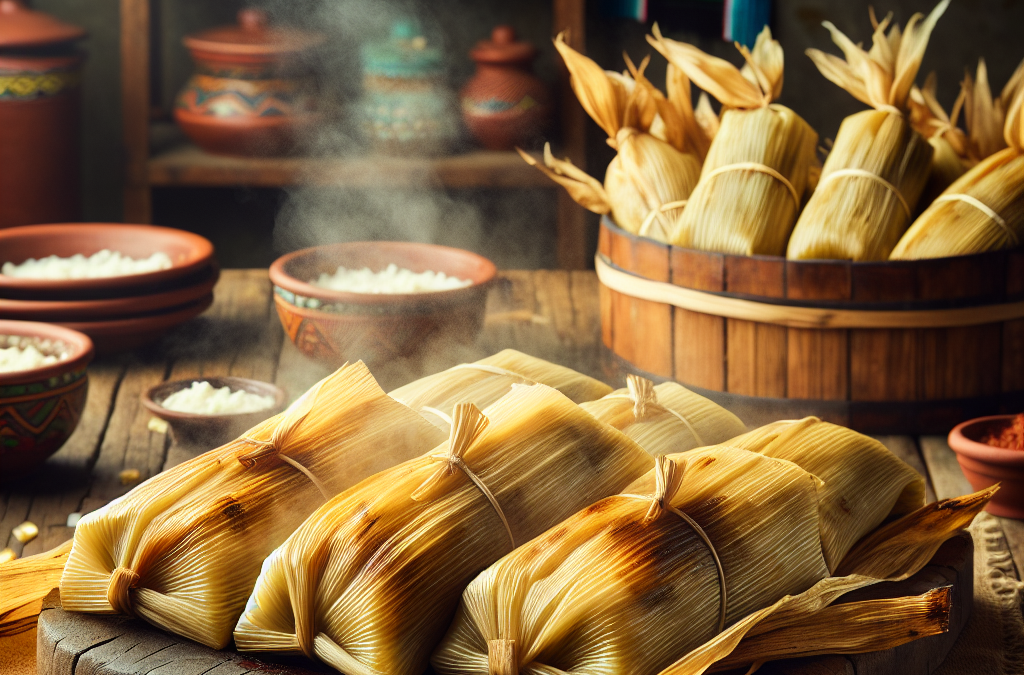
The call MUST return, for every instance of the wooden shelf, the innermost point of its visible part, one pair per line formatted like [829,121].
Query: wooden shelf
[189,165]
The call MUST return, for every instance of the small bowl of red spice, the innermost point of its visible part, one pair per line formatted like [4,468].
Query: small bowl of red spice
[990,450]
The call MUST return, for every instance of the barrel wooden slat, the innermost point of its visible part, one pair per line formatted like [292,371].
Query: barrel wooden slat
[604,297]
[755,276]
[883,365]
[959,362]
[755,358]
[698,270]
[699,349]
[816,364]
[882,284]
[957,278]
[652,346]
[1014,280]
[818,282]
[1013,355]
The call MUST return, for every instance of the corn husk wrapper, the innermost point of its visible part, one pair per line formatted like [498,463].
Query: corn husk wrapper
[487,380]
[879,164]
[667,418]
[183,549]
[370,581]
[759,162]
[628,586]
[24,583]
[981,211]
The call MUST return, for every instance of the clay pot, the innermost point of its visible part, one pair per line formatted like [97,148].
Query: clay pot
[985,465]
[504,104]
[250,94]
[40,115]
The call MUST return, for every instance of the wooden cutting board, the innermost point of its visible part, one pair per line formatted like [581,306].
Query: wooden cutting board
[88,644]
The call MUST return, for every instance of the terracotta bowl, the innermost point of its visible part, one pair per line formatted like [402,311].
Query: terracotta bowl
[189,253]
[986,465]
[119,335]
[244,136]
[211,431]
[40,408]
[342,326]
[112,308]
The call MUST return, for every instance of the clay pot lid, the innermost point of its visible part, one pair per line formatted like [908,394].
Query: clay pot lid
[503,47]
[252,37]
[404,54]
[23,27]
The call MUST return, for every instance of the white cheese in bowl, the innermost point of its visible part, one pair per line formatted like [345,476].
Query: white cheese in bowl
[26,353]
[106,263]
[392,279]
[203,398]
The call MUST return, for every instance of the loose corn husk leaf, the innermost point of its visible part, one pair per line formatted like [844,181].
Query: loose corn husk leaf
[487,380]
[950,144]
[585,191]
[628,585]
[604,98]
[667,418]
[25,582]
[370,581]
[183,549]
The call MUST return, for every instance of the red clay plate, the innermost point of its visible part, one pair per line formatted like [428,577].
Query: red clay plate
[124,334]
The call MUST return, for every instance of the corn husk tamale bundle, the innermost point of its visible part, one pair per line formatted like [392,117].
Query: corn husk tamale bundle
[659,138]
[370,581]
[487,380]
[758,164]
[667,418]
[634,584]
[878,165]
[983,210]
[183,549]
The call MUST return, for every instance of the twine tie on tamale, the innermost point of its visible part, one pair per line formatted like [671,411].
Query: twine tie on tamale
[467,423]
[668,478]
[763,168]
[295,413]
[645,226]
[981,206]
[861,173]
[643,396]
[122,580]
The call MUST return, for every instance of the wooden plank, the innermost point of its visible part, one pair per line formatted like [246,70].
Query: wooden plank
[699,349]
[583,288]
[651,322]
[818,280]
[756,358]
[1013,356]
[573,219]
[755,276]
[135,106]
[906,449]
[883,365]
[817,364]
[1014,532]
[961,362]
[943,469]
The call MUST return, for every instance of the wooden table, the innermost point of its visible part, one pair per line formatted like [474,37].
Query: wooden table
[550,314]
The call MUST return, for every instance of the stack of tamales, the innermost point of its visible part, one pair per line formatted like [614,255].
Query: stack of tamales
[660,140]
[879,164]
[667,418]
[371,580]
[760,160]
[719,557]
[983,210]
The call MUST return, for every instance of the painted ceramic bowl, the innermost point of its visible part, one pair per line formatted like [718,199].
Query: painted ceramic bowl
[250,94]
[39,408]
[986,465]
[337,326]
[211,431]
[191,257]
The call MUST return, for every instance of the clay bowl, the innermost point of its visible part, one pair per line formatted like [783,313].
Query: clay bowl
[189,253]
[336,326]
[211,431]
[119,335]
[113,308]
[39,408]
[986,465]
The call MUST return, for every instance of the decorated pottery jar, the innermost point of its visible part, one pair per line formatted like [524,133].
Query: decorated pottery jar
[505,104]
[406,107]
[40,117]
[251,93]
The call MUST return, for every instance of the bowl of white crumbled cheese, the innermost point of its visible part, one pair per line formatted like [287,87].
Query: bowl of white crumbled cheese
[43,387]
[211,411]
[379,301]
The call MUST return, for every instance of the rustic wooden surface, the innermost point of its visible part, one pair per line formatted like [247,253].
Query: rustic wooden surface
[551,314]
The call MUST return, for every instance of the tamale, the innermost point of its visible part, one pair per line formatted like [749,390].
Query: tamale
[758,164]
[878,166]
[183,549]
[711,546]
[667,418]
[485,381]
[371,580]
[983,210]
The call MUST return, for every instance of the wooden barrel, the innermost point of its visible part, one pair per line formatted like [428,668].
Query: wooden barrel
[882,347]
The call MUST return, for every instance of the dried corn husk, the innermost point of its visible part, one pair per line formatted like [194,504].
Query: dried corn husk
[757,166]
[371,580]
[667,418]
[878,166]
[183,549]
[487,380]
[25,582]
[633,584]
[982,211]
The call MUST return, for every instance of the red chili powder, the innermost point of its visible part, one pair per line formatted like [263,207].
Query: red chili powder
[1010,437]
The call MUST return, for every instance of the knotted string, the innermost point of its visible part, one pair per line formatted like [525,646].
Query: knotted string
[668,478]
[467,423]
[861,173]
[981,206]
[121,581]
[653,213]
[643,396]
[763,168]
